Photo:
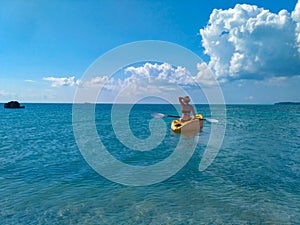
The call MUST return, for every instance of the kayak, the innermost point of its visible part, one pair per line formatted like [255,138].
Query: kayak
[194,125]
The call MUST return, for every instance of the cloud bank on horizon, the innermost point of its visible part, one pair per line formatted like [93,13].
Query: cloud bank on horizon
[248,42]
[148,74]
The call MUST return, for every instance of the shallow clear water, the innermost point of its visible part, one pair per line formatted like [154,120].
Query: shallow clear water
[255,178]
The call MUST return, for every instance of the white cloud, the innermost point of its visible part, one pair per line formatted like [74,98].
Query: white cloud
[62,81]
[296,17]
[99,81]
[30,81]
[152,79]
[248,42]
[95,82]
[205,75]
[158,74]
[164,76]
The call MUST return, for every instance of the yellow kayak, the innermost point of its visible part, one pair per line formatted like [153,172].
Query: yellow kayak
[194,125]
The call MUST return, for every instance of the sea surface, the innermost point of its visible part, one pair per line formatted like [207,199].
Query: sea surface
[254,178]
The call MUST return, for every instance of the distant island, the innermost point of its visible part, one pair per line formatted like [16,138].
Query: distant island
[13,105]
[287,103]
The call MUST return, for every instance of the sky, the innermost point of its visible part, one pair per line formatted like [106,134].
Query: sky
[251,47]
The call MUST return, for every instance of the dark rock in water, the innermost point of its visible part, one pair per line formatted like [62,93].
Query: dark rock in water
[13,105]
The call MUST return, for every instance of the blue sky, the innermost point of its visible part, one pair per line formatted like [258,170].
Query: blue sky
[46,46]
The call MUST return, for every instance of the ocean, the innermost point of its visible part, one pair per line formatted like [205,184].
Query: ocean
[46,179]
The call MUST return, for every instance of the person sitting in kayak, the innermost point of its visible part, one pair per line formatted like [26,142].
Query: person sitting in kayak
[187,109]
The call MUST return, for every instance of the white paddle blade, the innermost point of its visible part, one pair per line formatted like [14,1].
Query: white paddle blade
[212,120]
[158,115]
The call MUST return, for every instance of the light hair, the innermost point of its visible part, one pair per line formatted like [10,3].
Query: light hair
[187,99]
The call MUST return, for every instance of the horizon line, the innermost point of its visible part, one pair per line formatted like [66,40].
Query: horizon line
[150,103]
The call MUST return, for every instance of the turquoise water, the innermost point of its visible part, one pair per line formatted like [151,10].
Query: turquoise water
[255,178]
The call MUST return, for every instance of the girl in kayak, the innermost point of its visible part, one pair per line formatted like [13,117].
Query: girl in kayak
[186,108]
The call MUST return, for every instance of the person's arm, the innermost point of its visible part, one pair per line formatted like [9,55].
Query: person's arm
[193,111]
[181,100]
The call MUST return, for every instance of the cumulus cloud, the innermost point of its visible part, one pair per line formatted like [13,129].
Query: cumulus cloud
[248,42]
[62,81]
[296,18]
[98,81]
[205,75]
[165,76]
[151,78]
[157,74]
[95,82]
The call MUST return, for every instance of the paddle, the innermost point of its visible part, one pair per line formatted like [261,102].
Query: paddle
[161,115]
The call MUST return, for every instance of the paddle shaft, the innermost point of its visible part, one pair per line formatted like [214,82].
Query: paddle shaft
[160,115]
[209,120]
[173,116]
